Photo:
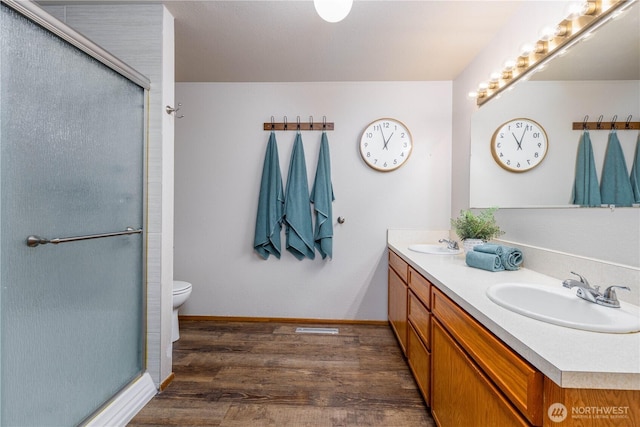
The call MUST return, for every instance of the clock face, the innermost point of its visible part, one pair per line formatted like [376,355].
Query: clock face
[519,145]
[385,144]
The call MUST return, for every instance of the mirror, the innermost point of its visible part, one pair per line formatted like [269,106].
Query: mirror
[599,75]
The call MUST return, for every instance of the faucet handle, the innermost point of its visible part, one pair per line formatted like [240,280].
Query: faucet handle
[582,279]
[609,297]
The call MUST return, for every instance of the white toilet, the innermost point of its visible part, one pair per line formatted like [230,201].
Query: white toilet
[181,292]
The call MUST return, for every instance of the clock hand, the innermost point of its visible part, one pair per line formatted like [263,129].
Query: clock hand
[387,142]
[384,140]
[521,138]
[517,142]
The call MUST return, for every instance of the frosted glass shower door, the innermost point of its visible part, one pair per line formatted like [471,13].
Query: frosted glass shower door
[71,164]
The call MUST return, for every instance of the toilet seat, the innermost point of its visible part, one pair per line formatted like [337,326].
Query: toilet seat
[180,287]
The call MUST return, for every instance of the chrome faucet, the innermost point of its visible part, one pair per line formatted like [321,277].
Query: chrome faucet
[592,294]
[451,244]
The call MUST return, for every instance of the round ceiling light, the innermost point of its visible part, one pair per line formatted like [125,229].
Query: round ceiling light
[333,10]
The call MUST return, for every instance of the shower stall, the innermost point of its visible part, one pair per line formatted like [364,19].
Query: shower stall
[73,123]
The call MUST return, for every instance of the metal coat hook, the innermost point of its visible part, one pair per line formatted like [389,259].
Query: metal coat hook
[298,126]
[599,124]
[324,122]
[627,124]
[584,122]
[273,123]
[174,111]
[286,124]
[613,121]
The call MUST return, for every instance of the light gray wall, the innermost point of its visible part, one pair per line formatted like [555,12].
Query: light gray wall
[220,148]
[142,36]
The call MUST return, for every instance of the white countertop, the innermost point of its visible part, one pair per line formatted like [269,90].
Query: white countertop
[571,358]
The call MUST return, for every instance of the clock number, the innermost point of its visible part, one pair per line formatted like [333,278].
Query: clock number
[369,135]
[518,164]
[536,134]
[499,145]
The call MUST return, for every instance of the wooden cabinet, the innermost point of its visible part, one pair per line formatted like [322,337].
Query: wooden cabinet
[462,395]
[517,384]
[469,377]
[419,333]
[397,298]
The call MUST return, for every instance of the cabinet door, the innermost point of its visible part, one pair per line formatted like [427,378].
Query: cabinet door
[420,362]
[460,394]
[398,308]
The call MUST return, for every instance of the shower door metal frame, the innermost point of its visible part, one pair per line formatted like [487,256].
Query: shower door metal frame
[34,13]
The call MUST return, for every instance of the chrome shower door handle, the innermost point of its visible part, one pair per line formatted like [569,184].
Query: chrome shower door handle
[33,241]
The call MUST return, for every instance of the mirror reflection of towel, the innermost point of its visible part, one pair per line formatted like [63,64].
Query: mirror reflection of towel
[266,240]
[297,208]
[615,187]
[586,191]
[322,197]
[635,173]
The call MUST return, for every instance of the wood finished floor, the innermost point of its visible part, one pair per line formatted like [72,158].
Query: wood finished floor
[264,374]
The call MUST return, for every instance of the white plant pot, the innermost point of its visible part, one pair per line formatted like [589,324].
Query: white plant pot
[468,244]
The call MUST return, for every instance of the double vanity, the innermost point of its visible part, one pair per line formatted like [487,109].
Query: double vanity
[481,358]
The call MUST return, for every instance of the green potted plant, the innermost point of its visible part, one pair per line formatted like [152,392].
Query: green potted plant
[475,229]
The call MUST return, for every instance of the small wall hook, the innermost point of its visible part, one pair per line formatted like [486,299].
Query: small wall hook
[174,111]
[341,220]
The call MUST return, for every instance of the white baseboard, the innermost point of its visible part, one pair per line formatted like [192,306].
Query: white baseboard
[127,404]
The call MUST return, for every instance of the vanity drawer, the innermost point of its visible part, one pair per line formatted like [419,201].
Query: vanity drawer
[420,317]
[515,377]
[419,359]
[420,286]
[398,265]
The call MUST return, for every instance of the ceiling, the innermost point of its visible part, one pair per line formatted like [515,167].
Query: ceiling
[286,41]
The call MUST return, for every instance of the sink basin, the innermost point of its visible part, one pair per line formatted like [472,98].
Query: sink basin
[561,306]
[434,249]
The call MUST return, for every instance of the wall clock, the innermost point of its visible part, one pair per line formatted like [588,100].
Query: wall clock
[519,145]
[386,144]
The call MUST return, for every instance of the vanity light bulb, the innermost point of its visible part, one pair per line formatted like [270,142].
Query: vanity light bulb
[575,10]
[495,76]
[547,33]
[526,49]
[483,86]
[473,94]
[509,64]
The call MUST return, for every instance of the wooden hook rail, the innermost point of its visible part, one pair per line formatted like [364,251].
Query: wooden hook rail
[605,125]
[303,126]
[600,125]
[297,125]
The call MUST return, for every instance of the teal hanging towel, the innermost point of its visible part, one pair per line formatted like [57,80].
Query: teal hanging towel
[266,240]
[615,187]
[586,191]
[322,198]
[297,207]
[635,173]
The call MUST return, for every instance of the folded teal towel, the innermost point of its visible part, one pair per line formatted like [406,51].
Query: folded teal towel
[297,210]
[322,197]
[266,240]
[615,186]
[586,191]
[483,260]
[489,248]
[635,173]
[511,258]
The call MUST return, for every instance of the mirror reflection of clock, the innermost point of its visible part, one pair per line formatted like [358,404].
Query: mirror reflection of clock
[385,144]
[519,145]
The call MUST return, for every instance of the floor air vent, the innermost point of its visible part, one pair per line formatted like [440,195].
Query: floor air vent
[329,331]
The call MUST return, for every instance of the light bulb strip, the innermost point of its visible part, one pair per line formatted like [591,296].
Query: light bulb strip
[567,32]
